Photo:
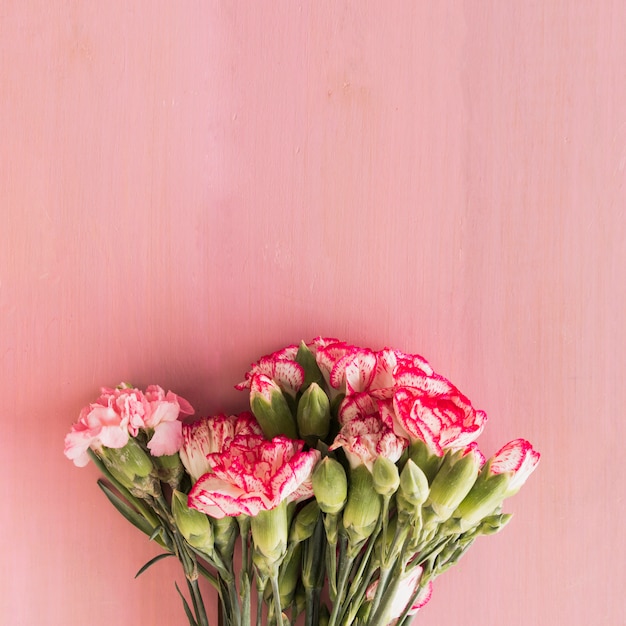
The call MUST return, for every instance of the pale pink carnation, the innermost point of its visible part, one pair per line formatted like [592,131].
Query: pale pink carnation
[252,475]
[163,419]
[120,413]
[109,421]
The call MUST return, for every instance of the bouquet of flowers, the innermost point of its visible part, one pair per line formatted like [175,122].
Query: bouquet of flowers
[354,481]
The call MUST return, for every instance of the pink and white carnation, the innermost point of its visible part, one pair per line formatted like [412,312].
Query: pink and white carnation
[433,410]
[253,474]
[120,413]
[209,435]
[392,364]
[346,368]
[365,438]
[357,405]
[404,594]
[281,367]
[517,458]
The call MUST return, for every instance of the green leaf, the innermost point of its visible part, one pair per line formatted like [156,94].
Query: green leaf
[152,562]
[192,621]
[130,513]
[139,506]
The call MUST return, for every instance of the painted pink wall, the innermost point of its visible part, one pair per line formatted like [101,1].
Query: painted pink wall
[186,186]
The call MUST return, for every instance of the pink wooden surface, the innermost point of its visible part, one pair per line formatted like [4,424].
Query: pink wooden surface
[187,186]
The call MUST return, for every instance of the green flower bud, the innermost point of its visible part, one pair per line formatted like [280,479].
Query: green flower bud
[312,372]
[493,524]
[453,482]
[169,469]
[413,489]
[225,531]
[483,498]
[271,408]
[133,468]
[426,460]
[386,476]
[304,524]
[313,414]
[194,526]
[330,485]
[289,576]
[362,510]
[270,532]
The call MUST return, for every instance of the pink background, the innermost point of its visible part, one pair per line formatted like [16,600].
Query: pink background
[187,186]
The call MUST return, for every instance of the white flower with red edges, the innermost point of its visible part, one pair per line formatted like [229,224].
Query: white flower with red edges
[404,594]
[212,434]
[365,438]
[252,475]
[518,459]
[433,410]
[281,367]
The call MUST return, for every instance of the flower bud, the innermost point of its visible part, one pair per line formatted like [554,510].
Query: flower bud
[330,485]
[483,498]
[269,535]
[453,481]
[169,469]
[225,531]
[424,458]
[193,525]
[386,476]
[362,510]
[304,524]
[313,414]
[413,489]
[493,524]
[270,408]
[132,467]
[312,372]
[289,575]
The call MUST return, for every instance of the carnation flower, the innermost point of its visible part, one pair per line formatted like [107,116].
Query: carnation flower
[518,459]
[404,593]
[363,439]
[433,410]
[212,434]
[252,475]
[122,412]
[281,367]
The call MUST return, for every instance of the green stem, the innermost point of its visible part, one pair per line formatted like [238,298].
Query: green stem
[345,565]
[259,602]
[276,593]
[331,522]
[380,590]
[198,604]
[244,591]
